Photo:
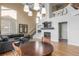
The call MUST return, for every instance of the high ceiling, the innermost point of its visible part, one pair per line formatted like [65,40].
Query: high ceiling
[57,6]
[75,5]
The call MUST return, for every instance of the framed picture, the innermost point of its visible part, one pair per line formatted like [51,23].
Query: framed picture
[20,28]
[23,28]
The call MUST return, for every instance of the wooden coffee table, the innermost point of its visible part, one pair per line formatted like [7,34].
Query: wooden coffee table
[36,48]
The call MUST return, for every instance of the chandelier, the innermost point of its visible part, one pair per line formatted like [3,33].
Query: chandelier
[38,7]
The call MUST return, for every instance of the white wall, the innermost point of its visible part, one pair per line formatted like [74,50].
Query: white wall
[72,30]
[72,17]
[55,22]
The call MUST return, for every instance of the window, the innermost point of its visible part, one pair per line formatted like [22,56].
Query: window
[8,21]
[8,12]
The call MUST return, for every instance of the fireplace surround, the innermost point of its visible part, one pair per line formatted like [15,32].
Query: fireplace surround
[47,35]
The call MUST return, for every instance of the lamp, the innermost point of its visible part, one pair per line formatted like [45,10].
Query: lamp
[37,20]
[36,6]
[38,14]
[43,11]
[30,13]
[26,8]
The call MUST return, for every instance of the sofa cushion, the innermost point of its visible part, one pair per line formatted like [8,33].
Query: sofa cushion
[5,47]
[3,38]
[0,39]
[15,35]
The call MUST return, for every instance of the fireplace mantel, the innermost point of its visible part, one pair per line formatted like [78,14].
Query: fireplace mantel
[47,28]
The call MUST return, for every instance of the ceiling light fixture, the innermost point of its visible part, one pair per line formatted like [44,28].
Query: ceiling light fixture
[39,7]
[37,20]
[43,11]
[30,13]
[38,14]
[36,6]
[26,8]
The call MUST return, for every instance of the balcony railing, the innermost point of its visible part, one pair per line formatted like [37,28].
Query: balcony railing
[60,12]
[68,10]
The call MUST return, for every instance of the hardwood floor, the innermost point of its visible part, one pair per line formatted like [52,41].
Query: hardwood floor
[60,49]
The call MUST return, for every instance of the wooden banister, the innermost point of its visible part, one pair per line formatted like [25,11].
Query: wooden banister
[32,32]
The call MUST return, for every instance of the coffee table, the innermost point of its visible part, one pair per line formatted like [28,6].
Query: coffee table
[36,48]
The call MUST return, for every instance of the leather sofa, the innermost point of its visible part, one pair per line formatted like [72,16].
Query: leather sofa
[6,44]
[15,35]
[5,47]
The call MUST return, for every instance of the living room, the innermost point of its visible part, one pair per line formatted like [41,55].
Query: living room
[51,30]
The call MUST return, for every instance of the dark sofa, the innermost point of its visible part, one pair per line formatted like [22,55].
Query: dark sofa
[15,35]
[6,44]
[5,47]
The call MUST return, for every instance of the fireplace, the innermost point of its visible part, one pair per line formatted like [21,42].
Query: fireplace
[47,35]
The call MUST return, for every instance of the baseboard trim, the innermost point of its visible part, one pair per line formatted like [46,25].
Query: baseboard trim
[54,40]
[70,43]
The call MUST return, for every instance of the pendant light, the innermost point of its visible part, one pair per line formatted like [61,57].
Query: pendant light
[26,8]
[37,20]
[40,8]
[43,11]
[36,6]
[38,14]
[30,13]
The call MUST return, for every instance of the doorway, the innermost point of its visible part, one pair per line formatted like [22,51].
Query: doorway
[63,32]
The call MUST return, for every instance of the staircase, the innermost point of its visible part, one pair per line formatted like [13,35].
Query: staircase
[32,32]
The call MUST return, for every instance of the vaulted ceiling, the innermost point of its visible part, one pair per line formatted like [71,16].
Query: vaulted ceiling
[57,6]
[75,5]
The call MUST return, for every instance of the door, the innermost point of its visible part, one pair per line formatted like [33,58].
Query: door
[63,32]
